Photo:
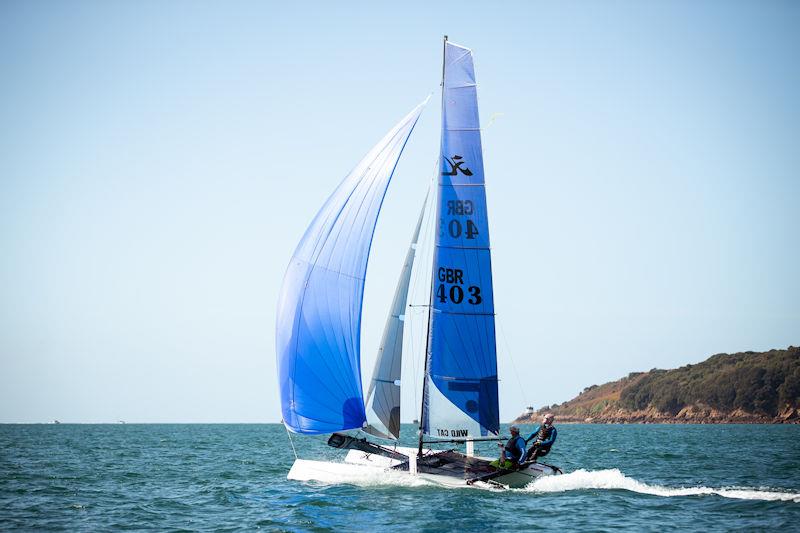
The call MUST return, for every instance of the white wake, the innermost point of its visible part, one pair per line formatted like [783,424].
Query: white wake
[616,480]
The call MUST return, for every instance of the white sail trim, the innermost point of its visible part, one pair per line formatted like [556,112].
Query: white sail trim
[445,420]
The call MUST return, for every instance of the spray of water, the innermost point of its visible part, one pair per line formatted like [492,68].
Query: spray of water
[613,479]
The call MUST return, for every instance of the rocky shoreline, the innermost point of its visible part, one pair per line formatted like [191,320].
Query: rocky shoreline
[741,388]
[688,415]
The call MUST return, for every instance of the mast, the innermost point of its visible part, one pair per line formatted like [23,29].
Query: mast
[430,294]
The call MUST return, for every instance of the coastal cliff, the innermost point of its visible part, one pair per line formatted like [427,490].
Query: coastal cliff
[747,387]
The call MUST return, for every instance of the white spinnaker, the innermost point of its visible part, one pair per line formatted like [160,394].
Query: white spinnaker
[317,337]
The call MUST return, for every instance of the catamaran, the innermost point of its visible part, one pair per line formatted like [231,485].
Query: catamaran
[318,331]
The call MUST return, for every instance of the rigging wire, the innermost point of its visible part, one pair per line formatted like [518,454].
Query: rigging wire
[511,358]
[421,272]
[497,316]
[291,443]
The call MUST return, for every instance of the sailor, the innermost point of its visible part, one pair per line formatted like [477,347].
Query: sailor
[513,452]
[543,438]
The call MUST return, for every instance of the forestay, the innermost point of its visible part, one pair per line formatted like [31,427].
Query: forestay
[318,330]
[460,392]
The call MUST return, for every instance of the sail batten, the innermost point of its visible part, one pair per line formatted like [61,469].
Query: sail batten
[318,327]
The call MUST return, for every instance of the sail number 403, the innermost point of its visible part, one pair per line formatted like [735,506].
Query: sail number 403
[455,278]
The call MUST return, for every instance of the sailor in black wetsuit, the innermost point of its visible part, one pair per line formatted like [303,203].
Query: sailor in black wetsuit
[513,453]
[542,438]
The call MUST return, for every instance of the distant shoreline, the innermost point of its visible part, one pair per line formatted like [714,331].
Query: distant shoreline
[740,388]
[668,423]
[519,422]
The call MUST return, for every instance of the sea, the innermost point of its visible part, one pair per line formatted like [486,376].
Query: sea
[230,477]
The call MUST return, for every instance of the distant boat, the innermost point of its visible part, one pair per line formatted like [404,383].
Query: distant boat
[56,422]
[318,330]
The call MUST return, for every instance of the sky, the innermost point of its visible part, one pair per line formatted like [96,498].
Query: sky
[159,162]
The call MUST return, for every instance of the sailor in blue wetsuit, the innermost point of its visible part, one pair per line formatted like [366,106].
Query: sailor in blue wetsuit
[513,452]
[542,437]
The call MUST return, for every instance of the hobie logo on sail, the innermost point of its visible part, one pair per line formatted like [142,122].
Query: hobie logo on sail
[455,166]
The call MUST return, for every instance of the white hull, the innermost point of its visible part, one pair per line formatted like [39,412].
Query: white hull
[328,472]
[360,467]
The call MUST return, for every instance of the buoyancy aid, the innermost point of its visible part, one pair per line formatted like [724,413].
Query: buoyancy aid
[544,433]
[512,450]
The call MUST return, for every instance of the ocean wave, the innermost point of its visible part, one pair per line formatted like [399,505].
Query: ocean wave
[613,479]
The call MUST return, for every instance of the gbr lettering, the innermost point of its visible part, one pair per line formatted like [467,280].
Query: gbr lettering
[450,287]
[455,227]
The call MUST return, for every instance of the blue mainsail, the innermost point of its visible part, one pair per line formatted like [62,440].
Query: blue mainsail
[318,330]
[460,392]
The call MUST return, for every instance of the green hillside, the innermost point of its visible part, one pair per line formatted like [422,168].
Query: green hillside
[741,387]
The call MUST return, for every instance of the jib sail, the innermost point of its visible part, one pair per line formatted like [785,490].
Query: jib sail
[383,395]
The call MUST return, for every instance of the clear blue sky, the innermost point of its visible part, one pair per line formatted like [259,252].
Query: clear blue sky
[160,160]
